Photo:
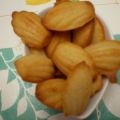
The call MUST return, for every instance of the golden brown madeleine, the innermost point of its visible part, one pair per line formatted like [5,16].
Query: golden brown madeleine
[50,93]
[28,26]
[78,89]
[83,35]
[34,68]
[105,54]
[61,1]
[69,15]
[97,84]
[67,55]
[99,32]
[56,39]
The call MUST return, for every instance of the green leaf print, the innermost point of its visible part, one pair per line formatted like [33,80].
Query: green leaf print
[12,63]
[38,106]
[29,114]
[102,113]
[117,37]
[2,64]
[52,112]
[11,76]
[28,85]
[7,53]
[11,113]
[105,113]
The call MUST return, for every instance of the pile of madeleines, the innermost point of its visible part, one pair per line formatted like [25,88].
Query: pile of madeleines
[69,54]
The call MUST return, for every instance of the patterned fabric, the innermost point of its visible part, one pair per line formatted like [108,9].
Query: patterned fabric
[17,98]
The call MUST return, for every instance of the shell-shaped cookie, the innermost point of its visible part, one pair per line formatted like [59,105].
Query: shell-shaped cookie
[83,35]
[98,32]
[105,54]
[67,55]
[28,26]
[50,93]
[57,38]
[35,68]
[69,15]
[78,90]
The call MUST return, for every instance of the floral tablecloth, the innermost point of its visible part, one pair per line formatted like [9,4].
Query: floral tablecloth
[17,99]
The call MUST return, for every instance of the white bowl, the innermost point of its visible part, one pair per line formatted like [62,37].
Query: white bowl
[94,101]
